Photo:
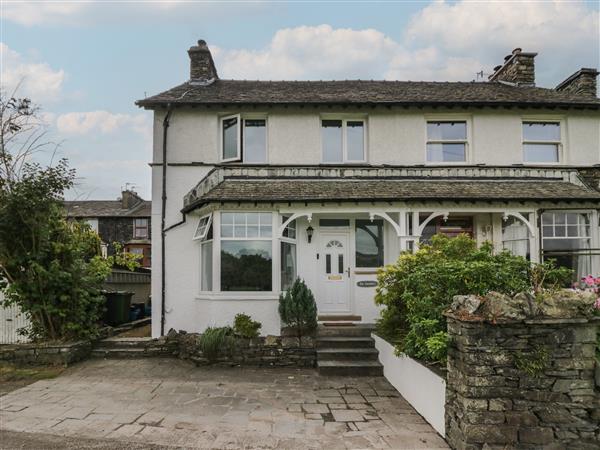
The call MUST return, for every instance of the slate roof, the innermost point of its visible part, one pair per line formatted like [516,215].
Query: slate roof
[106,208]
[355,92]
[244,190]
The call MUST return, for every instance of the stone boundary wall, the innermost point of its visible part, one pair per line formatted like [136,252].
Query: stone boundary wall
[525,384]
[269,351]
[58,354]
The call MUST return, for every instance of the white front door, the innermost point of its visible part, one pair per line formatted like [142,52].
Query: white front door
[334,273]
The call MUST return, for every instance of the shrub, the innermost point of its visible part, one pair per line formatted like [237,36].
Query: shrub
[244,326]
[216,341]
[298,309]
[420,287]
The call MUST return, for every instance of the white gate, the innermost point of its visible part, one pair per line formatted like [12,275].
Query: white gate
[11,320]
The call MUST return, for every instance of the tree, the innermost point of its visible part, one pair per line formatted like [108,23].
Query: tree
[49,267]
[298,309]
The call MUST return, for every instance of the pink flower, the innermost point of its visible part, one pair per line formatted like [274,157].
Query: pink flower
[589,280]
[597,304]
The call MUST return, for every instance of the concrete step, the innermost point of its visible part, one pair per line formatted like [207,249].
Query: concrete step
[361,330]
[354,354]
[350,368]
[345,342]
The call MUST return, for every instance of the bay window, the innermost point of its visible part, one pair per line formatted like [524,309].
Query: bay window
[204,234]
[446,141]
[343,140]
[243,139]
[288,255]
[541,142]
[566,238]
[246,251]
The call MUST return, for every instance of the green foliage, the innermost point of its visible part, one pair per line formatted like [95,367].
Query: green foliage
[51,268]
[244,326]
[533,363]
[298,309]
[217,341]
[420,287]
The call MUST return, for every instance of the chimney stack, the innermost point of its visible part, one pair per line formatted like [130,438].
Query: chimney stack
[202,66]
[129,199]
[582,83]
[518,68]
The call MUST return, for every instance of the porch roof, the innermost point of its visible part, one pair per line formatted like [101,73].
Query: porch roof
[289,190]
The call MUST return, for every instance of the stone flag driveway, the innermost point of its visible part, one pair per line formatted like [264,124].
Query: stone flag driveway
[173,403]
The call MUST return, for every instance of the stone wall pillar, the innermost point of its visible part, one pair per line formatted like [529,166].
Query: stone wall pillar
[522,384]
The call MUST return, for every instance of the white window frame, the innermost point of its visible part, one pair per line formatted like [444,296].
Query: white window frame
[238,157]
[288,240]
[559,144]
[202,235]
[345,120]
[135,228]
[466,141]
[241,137]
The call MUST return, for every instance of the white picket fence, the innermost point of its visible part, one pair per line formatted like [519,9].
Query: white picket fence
[11,320]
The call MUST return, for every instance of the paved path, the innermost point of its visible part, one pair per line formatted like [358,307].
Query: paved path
[173,403]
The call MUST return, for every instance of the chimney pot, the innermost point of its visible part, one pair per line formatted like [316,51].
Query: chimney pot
[202,66]
[507,57]
[517,50]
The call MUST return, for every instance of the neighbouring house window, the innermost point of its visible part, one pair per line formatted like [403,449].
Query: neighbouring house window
[288,255]
[541,142]
[93,223]
[446,141]
[369,243]
[566,238]
[246,251]
[204,234]
[515,237]
[343,140]
[140,228]
[247,143]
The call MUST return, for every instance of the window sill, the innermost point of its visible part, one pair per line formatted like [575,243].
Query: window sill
[233,296]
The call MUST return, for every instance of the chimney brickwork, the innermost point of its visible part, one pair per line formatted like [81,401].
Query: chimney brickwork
[129,199]
[518,68]
[582,82]
[202,66]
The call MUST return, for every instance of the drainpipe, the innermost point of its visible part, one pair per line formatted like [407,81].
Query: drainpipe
[163,213]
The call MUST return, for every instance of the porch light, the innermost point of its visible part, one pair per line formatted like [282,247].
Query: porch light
[309,233]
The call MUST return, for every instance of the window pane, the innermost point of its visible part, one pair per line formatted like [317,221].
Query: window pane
[369,243]
[266,224]
[328,263]
[288,265]
[541,131]
[445,152]
[515,237]
[340,263]
[447,131]
[230,138]
[246,266]
[227,218]
[207,267]
[540,152]
[355,140]
[331,131]
[255,141]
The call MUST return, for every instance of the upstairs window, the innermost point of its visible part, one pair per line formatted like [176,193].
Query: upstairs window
[446,141]
[140,228]
[343,140]
[246,142]
[541,142]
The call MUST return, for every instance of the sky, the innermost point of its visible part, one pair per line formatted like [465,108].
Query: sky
[85,63]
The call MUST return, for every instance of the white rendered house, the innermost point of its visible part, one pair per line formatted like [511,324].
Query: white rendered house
[256,183]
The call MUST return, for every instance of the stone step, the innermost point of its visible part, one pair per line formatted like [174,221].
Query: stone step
[126,353]
[345,330]
[124,343]
[350,368]
[355,354]
[345,342]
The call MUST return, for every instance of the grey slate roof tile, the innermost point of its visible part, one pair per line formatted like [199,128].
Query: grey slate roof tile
[106,208]
[364,92]
[240,190]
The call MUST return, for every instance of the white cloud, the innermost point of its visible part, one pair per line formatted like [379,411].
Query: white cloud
[37,80]
[444,42]
[80,123]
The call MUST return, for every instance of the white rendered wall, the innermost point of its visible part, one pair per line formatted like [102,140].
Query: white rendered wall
[423,389]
